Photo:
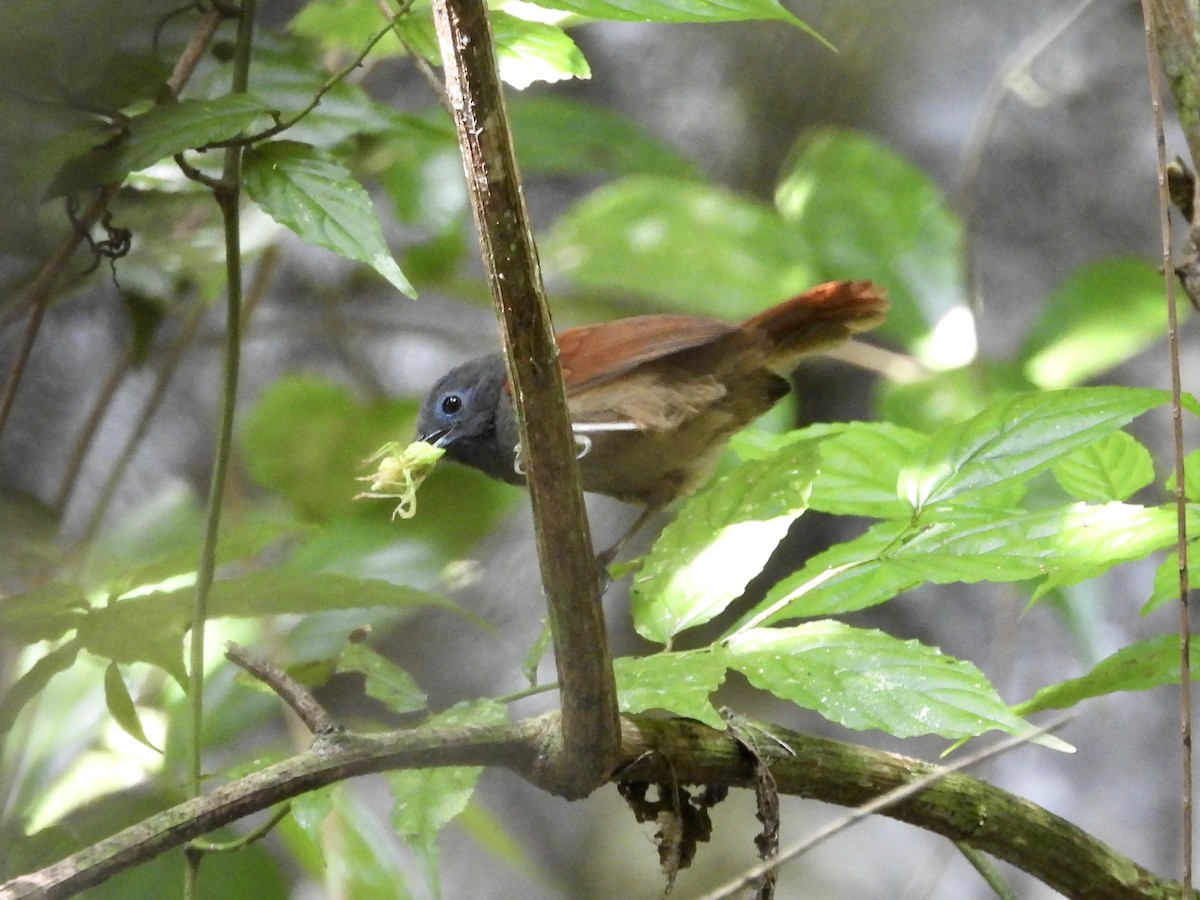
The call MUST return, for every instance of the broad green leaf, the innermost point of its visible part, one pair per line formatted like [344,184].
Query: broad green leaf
[722,537]
[1101,316]
[317,198]
[306,439]
[43,614]
[942,398]
[865,212]
[160,133]
[161,540]
[860,464]
[1138,667]
[150,627]
[526,51]
[385,681]
[17,694]
[301,831]
[679,11]
[145,629]
[1191,477]
[559,136]
[685,244]
[285,76]
[1166,583]
[316,475]
[360,861]
[1111,468]
[121,707]
[1016,437]
[999,545]
[283,593]
[428,799]
[867,679]
[30,533]
[680,683]
[421,805]
[846,577]
[343,25]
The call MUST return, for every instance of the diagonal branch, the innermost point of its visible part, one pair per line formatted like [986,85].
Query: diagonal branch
[569,571]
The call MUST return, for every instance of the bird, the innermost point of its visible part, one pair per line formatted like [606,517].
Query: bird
[653,399]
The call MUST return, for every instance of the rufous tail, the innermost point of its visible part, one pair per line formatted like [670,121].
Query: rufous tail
[820,318]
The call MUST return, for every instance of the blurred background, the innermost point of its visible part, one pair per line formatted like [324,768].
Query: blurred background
[1031,120]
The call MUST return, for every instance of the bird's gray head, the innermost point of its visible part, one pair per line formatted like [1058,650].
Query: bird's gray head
[468,414]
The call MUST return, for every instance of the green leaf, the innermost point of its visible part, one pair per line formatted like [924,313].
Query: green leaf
[1191,477]
[678,11]
[846,577]
[421,807]
[558,136]
[867,679]
[284,75]
[865,212]
[160,133]
[306,439]
[1166,584]
[150,627]
[998,545]
[280,593]
[301,831]
[121,706]
[679,683]
[30,536]
[691,246]
[43,614]
[526,51]
[32,682]
[317,198]
[861,464]
[1101,316]
[316,475]
[428,799]
[145,629]
[722,537]
[342,25]
[1065,544]
[160,540]
[1111,468]
[385,681]
[1138,667]
[361,861]
[941,398]
[1016,437]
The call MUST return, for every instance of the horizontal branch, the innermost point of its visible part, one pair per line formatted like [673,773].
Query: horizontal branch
[959,807]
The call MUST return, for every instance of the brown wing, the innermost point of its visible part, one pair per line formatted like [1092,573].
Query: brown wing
[594,354]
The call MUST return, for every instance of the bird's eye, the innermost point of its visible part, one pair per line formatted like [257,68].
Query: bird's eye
[451,404]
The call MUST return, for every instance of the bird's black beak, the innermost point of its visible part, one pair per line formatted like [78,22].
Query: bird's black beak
[439,438]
